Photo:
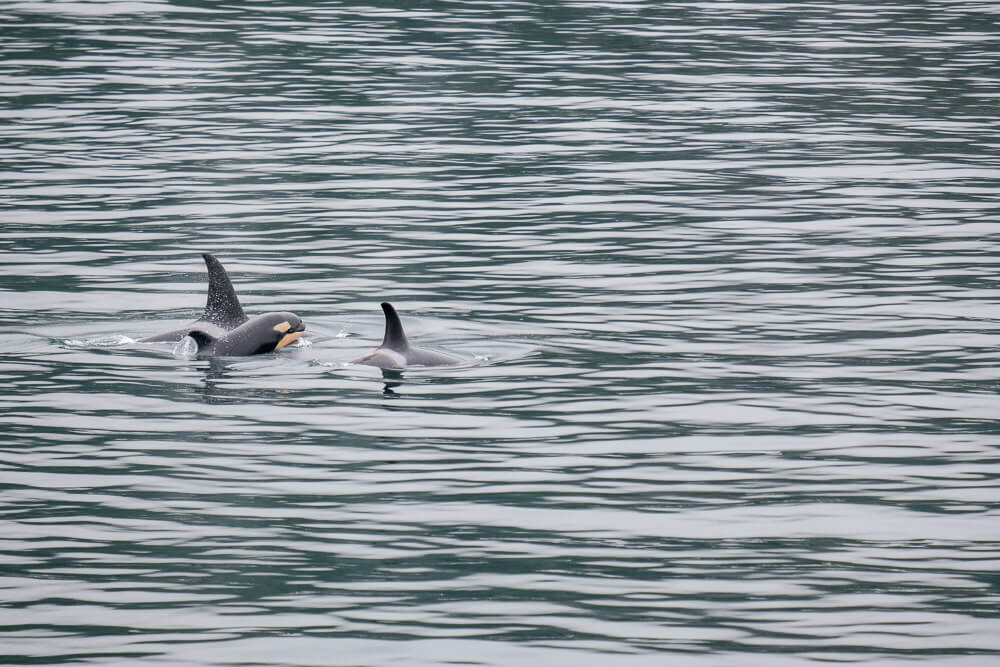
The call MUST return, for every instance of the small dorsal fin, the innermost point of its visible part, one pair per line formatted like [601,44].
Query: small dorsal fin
[395,337]
[222,307]
[202,338]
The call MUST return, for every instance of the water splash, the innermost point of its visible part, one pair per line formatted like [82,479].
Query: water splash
[186,348]
[99,341]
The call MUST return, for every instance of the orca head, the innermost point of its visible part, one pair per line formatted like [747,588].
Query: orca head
[286,327]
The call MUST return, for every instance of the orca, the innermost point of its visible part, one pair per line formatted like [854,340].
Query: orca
[224,329]
[396,353]
[263,334]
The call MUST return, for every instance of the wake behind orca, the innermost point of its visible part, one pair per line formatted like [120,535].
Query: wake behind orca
[224,329]
[396,353]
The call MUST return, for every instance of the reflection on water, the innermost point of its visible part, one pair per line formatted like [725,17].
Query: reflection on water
[724,276]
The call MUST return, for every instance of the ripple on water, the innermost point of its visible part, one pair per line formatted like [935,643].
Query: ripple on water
[723,276]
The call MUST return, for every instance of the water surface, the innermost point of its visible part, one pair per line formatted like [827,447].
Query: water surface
[724,276]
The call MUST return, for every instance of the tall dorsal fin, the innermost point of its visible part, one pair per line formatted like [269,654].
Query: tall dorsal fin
[222,307]
[395,337]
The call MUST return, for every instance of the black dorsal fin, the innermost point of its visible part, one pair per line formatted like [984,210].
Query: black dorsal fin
[202,338]
[222,307]
[395,337]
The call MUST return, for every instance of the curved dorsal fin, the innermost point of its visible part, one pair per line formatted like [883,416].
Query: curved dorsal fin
[202,338]
[395,337]
[222,307]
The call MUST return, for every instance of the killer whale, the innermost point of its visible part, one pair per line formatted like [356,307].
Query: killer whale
[224,329]
[396,353]
[267,333]
[222,313]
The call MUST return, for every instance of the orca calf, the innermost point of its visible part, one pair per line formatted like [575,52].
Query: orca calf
[396,353]
[267,333]
[224,329]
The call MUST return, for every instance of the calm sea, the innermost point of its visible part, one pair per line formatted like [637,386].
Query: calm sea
[723,277]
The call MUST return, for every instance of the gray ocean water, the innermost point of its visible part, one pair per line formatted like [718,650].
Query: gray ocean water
[723,277]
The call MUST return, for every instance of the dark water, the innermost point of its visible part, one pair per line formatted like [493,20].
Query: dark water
[724,276]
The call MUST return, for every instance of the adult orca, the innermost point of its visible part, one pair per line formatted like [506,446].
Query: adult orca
[224,329]
[396,353]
